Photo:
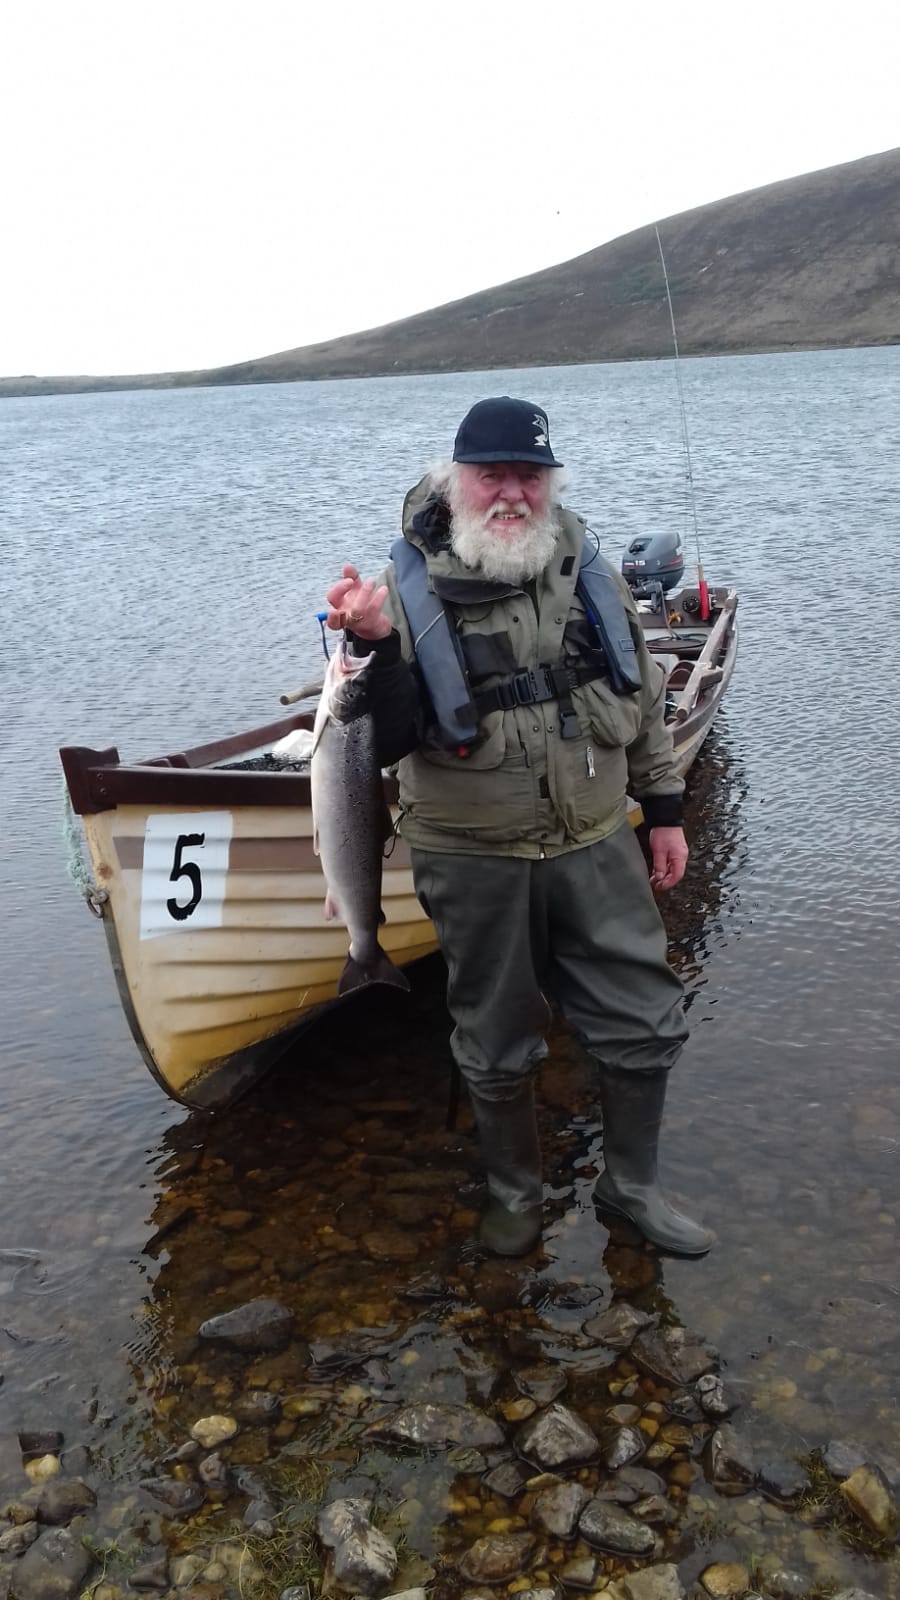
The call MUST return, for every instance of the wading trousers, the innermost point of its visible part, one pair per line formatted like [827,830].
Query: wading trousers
[582,927]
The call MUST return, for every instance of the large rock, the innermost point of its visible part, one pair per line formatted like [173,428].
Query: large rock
[618,1326]
[556,1439]
[61,1501]
[558,1508]
[438,1426]
[868,1494]
[53,1569]
[497,1558]
[363,1560]
[673,1355]
[259,1326]
[610,1528]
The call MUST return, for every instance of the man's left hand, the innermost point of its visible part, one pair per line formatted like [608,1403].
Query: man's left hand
[670,853]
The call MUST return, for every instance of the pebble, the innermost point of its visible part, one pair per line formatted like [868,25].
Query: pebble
[673,1355]
[61,1501]
[41,1468]
[540,1383]
[439,1425]
[557,1509]
[212,1431]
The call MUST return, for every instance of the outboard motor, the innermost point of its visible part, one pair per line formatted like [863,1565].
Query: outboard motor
[652,560]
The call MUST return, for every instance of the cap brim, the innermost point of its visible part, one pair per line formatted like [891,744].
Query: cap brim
[472,458]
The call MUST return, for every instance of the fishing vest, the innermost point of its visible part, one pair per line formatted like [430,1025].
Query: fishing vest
[458,711]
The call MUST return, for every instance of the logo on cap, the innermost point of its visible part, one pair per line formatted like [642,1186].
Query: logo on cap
[539,424]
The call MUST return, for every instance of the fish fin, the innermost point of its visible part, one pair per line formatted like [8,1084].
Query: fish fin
[316,850]
[382,919]
[332,909]
[381,970]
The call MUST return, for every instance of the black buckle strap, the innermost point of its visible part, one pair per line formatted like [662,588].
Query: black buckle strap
[534,686]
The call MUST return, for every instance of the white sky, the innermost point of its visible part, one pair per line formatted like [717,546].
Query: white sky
[192,182]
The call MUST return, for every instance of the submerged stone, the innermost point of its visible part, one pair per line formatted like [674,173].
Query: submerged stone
[497,1558]
[174,1498]
[713,1397]
[654,1583]
[623,1447]
[60,1502]
[726,1580]
[439,1425]
[868,1494]
[610,1528]
[783,1481]
[617,1327]
[53,1569]
[840,1459]
[259,1326]
[540,1383]
[557,1439]
[557,1509]
[731,1463]
[363,1559]
[212,1431]
[673,1355]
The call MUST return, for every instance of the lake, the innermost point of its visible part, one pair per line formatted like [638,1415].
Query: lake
[164,556]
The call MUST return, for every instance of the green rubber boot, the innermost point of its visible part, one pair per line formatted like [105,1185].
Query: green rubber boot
[632,1104]
[507,1131]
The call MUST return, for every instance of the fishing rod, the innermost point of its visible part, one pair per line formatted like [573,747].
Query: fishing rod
[685,437]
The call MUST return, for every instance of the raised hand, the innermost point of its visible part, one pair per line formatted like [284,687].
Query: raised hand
[357,603]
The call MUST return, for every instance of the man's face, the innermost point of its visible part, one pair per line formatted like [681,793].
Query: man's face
[505,494]
[502,519]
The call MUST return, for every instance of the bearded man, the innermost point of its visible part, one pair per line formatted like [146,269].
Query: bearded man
[512,683]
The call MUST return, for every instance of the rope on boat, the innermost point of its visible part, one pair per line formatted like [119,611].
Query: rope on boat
[76,862]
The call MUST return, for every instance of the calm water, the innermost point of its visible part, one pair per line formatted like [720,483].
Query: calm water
[163,558]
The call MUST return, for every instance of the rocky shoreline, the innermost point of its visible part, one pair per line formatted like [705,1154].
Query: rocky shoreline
[622,1470]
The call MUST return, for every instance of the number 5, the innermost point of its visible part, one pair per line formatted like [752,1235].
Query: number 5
[189,870]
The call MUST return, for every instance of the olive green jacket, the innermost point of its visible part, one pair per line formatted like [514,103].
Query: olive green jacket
[523,790]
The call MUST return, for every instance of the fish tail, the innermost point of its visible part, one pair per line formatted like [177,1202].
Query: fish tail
[381,969]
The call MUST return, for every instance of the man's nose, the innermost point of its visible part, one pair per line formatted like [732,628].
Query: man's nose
[511,486]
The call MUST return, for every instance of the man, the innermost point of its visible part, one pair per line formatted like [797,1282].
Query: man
[512,682]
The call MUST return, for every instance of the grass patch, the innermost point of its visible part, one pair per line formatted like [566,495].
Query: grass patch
[834,1515]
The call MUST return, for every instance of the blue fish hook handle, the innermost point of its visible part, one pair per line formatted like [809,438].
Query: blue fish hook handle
[322,618]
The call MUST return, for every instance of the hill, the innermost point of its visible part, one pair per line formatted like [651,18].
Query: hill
[807,263]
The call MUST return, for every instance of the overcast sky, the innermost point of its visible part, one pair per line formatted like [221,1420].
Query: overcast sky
[193,182]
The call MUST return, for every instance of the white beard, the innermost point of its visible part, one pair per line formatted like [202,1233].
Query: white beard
[503,557]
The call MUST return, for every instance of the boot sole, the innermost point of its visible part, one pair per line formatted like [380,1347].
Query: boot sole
[611,1209]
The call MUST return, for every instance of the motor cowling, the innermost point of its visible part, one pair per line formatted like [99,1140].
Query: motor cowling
[653,558]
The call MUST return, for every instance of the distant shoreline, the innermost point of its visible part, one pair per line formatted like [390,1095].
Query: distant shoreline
[27,388]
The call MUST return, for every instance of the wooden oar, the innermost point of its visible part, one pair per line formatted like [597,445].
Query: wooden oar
[309,691]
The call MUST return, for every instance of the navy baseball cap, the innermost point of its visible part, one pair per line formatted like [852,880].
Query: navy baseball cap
[505,430]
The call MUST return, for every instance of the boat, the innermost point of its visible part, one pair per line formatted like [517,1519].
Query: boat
[211,895]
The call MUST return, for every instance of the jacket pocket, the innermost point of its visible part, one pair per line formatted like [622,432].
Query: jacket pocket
[587,783]
[614,719]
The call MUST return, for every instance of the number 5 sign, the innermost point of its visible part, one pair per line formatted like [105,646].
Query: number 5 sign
[185,867]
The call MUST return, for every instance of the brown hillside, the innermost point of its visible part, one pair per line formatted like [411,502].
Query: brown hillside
[807,263]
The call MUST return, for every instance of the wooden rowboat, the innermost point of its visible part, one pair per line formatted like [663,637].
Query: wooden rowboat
[211,894]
